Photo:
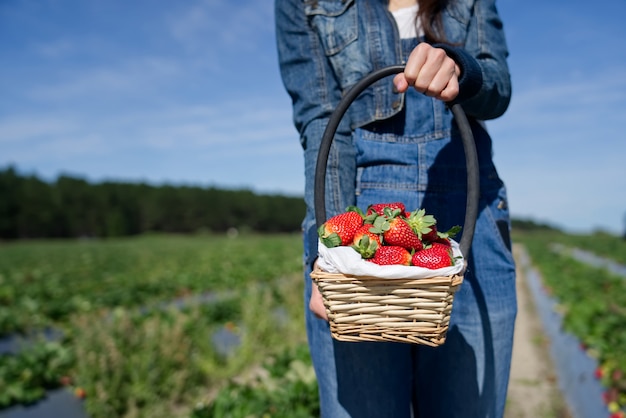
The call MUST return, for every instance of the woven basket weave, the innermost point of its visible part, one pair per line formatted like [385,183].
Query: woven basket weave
[373,309]
[381,309]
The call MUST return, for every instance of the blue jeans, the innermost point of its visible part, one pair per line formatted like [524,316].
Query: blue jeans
[468,375]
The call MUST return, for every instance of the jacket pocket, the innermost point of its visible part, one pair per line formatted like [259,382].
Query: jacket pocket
[335,21]
[498,211]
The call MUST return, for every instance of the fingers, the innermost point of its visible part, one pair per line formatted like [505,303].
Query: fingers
[449,92]
[431,72]
[400,83]
[415,65]
[316,303]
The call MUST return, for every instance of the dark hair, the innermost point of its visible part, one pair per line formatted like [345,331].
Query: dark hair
[429,16]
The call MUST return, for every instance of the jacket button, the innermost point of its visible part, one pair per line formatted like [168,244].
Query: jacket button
[396,104]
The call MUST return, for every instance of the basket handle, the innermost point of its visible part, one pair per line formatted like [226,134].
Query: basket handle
[471,158]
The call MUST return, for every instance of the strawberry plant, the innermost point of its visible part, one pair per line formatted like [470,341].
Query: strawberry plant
[160,364]
[139,316]
[285,387]
[592,302]
[599,243]
[25,376]
[42,283]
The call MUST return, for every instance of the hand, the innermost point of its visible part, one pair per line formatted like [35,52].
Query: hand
[430,71]
[316,303]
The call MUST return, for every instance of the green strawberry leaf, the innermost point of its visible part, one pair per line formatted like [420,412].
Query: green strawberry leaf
[331,241]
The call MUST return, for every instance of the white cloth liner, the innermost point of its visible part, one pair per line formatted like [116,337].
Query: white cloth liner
[346,260]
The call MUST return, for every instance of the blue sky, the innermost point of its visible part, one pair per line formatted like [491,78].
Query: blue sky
[189,93]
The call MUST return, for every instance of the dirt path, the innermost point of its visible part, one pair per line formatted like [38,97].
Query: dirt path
[533,388]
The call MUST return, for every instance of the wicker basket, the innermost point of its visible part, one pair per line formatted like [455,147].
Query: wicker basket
[382,309]
[374,309]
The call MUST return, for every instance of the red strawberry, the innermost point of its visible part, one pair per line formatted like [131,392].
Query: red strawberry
[365,241]
[598,373]
[340,229]
[366,229]
[617,375]
[444,237]
[397,231]
[379,208]
[443,241]
[610,395]
[434,257]
[430,236]
[80,393]
[391,254]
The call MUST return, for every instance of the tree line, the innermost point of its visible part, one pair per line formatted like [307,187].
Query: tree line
[73,207]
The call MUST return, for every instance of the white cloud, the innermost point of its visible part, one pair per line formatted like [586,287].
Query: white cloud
[24,128]
[245,125]
[224,133]
[104,81]
[216,26]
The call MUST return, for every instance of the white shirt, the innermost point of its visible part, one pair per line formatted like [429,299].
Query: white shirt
[406,20]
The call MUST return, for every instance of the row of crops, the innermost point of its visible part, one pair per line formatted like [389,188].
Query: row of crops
[139,325]
[211,326]
[591,300]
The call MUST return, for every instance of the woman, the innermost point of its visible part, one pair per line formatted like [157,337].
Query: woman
[399,142]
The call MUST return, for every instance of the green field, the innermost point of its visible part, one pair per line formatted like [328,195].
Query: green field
[140,318]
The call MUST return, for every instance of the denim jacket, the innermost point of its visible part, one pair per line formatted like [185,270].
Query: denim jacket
[326,46]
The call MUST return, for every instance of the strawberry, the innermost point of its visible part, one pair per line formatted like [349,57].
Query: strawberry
[617,375]
[80,393]
[598,372]
[340,229]
[430,236]
[443,241]
[396,231]
[391,254]
[444,237]
[379,208]
[400,233]
[610,396]
[369,230]
[365,241]
[434,257]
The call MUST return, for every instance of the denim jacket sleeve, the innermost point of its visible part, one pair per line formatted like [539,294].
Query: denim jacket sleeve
[477,26]
[311,84]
